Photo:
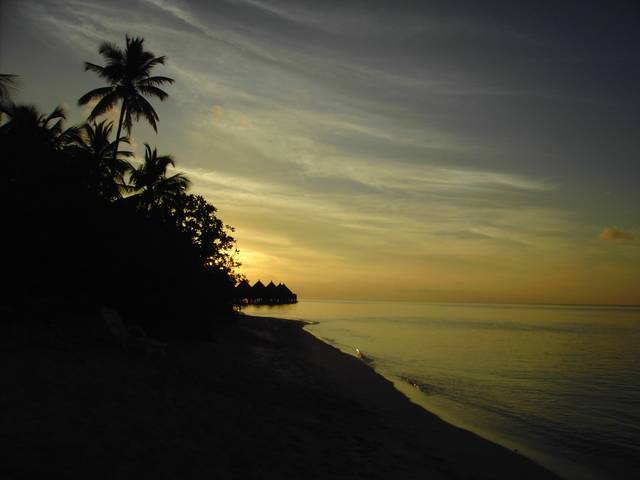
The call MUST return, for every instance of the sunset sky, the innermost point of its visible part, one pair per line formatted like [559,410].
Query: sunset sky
[438,151]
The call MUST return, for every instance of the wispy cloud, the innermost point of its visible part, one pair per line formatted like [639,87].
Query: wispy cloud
[615,234]
[427,144]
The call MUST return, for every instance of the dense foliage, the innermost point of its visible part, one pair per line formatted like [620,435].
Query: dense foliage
[85,227]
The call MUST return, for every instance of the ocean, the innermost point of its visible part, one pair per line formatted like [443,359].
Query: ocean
[560,384]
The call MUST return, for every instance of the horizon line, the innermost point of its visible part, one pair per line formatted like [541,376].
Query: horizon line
[519,304]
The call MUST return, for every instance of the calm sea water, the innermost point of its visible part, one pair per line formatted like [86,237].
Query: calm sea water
[560,384]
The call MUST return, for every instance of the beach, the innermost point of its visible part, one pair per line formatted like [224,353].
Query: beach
[264,399]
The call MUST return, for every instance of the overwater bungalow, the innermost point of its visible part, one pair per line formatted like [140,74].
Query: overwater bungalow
[286,295]
[259,294]
[271,293]
[243,291]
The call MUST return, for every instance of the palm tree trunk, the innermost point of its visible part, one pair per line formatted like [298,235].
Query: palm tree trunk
[115,148]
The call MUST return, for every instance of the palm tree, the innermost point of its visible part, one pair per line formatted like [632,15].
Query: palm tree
[36,129]
[128,73]
[151,180]
[32,145]
[94,145]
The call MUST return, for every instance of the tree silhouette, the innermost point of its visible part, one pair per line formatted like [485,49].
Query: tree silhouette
[196,218]
[34,161]
[37,129]
[128,73]
[93,145]
[64,188]
[150,178]
[7,81]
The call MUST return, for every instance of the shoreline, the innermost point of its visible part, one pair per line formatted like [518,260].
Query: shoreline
[397,404]
[266,399]
[557,465]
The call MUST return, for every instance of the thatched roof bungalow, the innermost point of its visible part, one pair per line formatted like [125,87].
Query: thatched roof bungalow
[243,289]
[271,293]
[286,295]
[259,294]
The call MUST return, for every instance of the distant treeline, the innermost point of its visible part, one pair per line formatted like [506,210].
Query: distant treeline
[258,294]
[83,226]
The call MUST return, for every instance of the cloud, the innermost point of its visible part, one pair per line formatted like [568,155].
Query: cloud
[464,235]
[615,233]
[418,145]
[217,112]
[245,121]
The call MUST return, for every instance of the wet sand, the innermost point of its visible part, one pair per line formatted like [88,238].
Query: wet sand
[264,400]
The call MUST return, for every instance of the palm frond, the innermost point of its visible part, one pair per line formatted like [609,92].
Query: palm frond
[124,139]
[56,113]
[143,108]
[143,63]
[163,162]
[134,179]
[155,81]
[125,153]
[153,91]
[68,136]
[148,153]
[78,136]
[114,74]
[7,81]
[151,62]
[104,128]
[179,181]
[105,104]
[92,67]
[94,94]
[111,52]
[56,129]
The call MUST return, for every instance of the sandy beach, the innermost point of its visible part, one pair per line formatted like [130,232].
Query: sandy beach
[265,399]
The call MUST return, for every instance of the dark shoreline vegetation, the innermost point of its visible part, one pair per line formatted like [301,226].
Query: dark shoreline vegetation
[85,227]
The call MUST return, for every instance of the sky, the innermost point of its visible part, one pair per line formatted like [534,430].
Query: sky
[385,150]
